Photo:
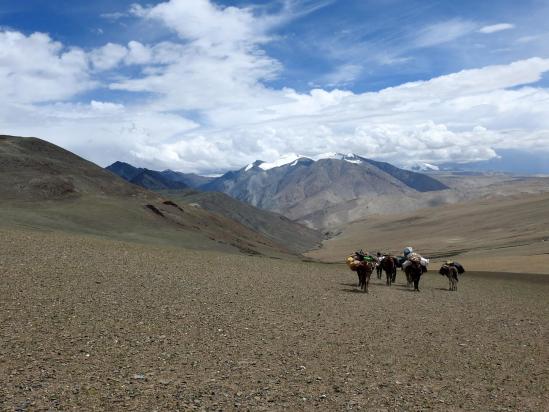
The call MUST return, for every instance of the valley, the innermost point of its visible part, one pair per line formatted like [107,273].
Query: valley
[118,297]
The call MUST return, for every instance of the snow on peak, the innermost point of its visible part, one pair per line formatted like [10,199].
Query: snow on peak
[349,157]
[293,159]
[284,160]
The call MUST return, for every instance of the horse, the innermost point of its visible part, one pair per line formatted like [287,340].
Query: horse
[389,265]
[451,272]
[364,271]
[379,269]
[413,273]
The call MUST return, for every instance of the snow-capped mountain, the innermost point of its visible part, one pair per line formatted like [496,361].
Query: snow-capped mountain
[292,159]
[297,186]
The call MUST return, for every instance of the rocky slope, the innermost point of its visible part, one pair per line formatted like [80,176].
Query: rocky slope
[305,186]
[271,225]
[46,187]
[141,327]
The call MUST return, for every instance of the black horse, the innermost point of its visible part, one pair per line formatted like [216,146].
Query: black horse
[413,273]
[379,270]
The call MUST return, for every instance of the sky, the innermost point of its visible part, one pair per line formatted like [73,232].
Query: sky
[207,86]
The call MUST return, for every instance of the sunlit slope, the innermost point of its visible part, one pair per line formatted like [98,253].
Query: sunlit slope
[506,234]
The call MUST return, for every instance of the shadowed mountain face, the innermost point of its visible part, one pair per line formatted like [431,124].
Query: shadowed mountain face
[305,187]
[46,187]
[271,225]
[417,181]
[154,180]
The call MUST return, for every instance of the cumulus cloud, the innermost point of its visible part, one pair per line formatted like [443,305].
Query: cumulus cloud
[218,63]
[496,27]
[208,105]
[36,69]
[108,56]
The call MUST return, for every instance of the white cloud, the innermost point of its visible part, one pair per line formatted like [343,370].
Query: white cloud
[206,23]
[343,75]
[35,68]
[113,16]
[496,27]
[208,107]
[219,62]
[138,53]
[108,56]
[443,32]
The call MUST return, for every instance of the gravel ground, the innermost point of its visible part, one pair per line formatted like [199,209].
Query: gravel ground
[94,324]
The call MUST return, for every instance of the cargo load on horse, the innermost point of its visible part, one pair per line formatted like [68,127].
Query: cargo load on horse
[414,257]
[358,259]
[458,266]
[362,264]
[451,270]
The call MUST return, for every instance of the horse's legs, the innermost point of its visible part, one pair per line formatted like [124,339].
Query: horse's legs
[366,281]
[416,282]
[409,279]
[394,275]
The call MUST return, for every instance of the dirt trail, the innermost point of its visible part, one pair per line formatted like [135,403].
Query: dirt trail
[88,324]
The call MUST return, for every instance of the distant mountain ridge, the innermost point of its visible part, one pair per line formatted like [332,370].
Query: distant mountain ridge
[299,187]
[155,180]
[514,161]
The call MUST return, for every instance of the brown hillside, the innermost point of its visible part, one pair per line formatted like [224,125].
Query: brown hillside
[506,234]
[45,187]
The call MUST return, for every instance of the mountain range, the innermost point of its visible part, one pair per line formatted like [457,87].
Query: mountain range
[154,180]
[301,188]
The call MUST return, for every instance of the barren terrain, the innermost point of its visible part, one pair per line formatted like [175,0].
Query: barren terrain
[88,323]
[509,234]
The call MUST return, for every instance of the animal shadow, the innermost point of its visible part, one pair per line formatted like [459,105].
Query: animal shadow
[349,284]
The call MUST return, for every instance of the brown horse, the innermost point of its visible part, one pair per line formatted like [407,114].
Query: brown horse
[451,272]
[389,265]
[413,273]
[364,271]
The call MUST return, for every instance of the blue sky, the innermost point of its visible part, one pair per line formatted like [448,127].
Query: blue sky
[202,85]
